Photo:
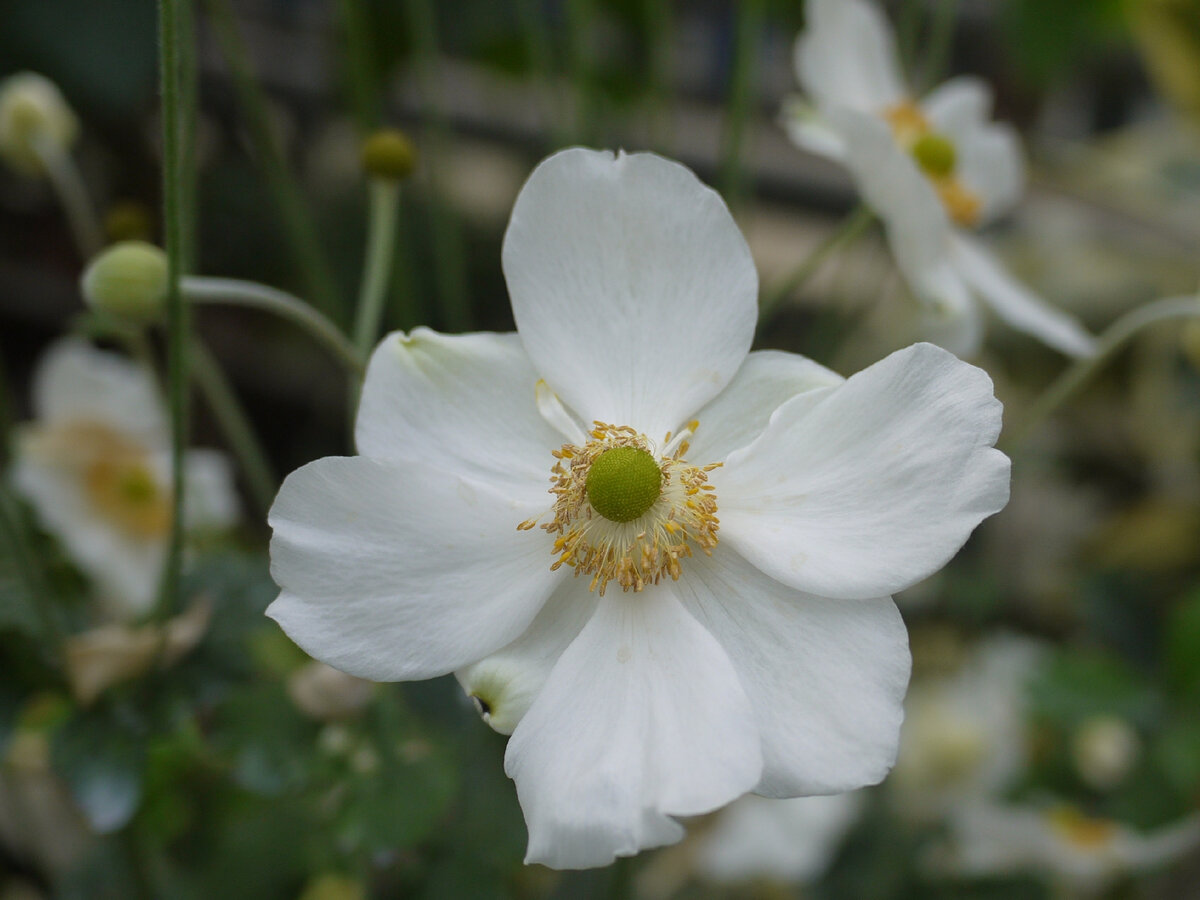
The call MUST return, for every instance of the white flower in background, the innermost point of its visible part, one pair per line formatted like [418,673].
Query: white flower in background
[965,735]
[1081,854]
[95,465]
[933,169]
[779,840]
[33,112]
[1104,749]
[690,660]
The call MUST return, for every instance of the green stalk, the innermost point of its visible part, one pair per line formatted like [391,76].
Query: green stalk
[449,261]
[236,426]
[1082,370]
[659,94]
[189,100]
[68,185]
[941,36]
[748,30]
[580,14]
[848,231]
[538,45]
[234,292]
[361,68]
[300,229]
[178,325]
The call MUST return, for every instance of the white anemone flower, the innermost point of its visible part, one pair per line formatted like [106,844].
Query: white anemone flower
[34,118]
[689,660]
[95,464]
[933,169]
[1081,854]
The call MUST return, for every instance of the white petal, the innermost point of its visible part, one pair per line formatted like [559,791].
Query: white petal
[75,382]
[210,499]
[958,106]
[464,403]
[642,719]
[846,57]
[633,289]
[766,380]
[1016,304]
[955,320]
[125,568]
[826,677]
[874,485]
[505,684]
[808,131]
[394,571]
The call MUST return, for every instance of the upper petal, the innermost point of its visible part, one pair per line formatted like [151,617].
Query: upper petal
[1016,304]
[633,290]
[394,571]
[826,677]
[643,718]
[465,403]
[875,484]
[736,416]
[846,57]
[75,382]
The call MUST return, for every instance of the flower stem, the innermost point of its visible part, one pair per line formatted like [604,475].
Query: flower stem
[232,291]
[538,42]
[383,209]
[361,68]
[941,38]
[659,17]
[849,230]
[235,424]
[189,97]
[1117,335]
[748,31]
[580,16]
[178,324]
[68,184]
[300,229]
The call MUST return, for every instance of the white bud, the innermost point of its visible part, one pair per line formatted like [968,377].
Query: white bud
[1104,749]
[33,111]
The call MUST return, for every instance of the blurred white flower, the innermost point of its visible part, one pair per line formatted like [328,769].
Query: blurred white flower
[1082,855]
[932,169]
[95,465]
[34,119]
[780,840]
[325,693]
[767,658]
[965,735]
[1104,749]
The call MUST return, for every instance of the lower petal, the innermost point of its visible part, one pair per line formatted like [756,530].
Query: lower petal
[642,718]
[826,677]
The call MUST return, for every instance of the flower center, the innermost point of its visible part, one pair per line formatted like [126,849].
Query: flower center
[937,156]
[624,513]
[623,483]
[1082,831]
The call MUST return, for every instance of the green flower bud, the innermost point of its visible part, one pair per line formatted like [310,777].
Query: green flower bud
[32,109]
[935,154]
[623,483]
[128,280]
[389,154]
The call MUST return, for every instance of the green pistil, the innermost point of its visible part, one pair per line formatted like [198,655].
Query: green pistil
[623,483]
[935,154]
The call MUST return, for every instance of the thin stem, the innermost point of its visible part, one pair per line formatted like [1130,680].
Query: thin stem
[748,30]
[361,67]
[1117,335]
[449,263]
[178,324]
[232,291]
[579,21]
[300,228]
[382,213]
[189,96]
[849,230]
[236,426]
[537,44]
[941,38]
[660,32]
[37,586]
[68,184]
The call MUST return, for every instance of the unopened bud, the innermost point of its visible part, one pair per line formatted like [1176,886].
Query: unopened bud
[1105,749]
[389,154]
[128,280]
[33,110]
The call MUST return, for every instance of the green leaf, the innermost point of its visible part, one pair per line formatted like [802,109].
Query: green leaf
[102,759]
[1182,651]
[1079,684]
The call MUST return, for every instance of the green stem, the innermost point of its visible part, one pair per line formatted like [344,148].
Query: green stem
[580,14]
[1117,335]
[537,44]
[361,67]
[189,97]
[449,263]
[941,37]
[68,184]
[232,291]
[37,586]
[848,231]
[660,32]
[382,213]
[235,425]
[178,325]
[748,30]
[300,227]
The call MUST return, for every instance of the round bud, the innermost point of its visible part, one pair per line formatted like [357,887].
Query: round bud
[32,110]
[935,154]
[128,280]
[623,483]
[389,154]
